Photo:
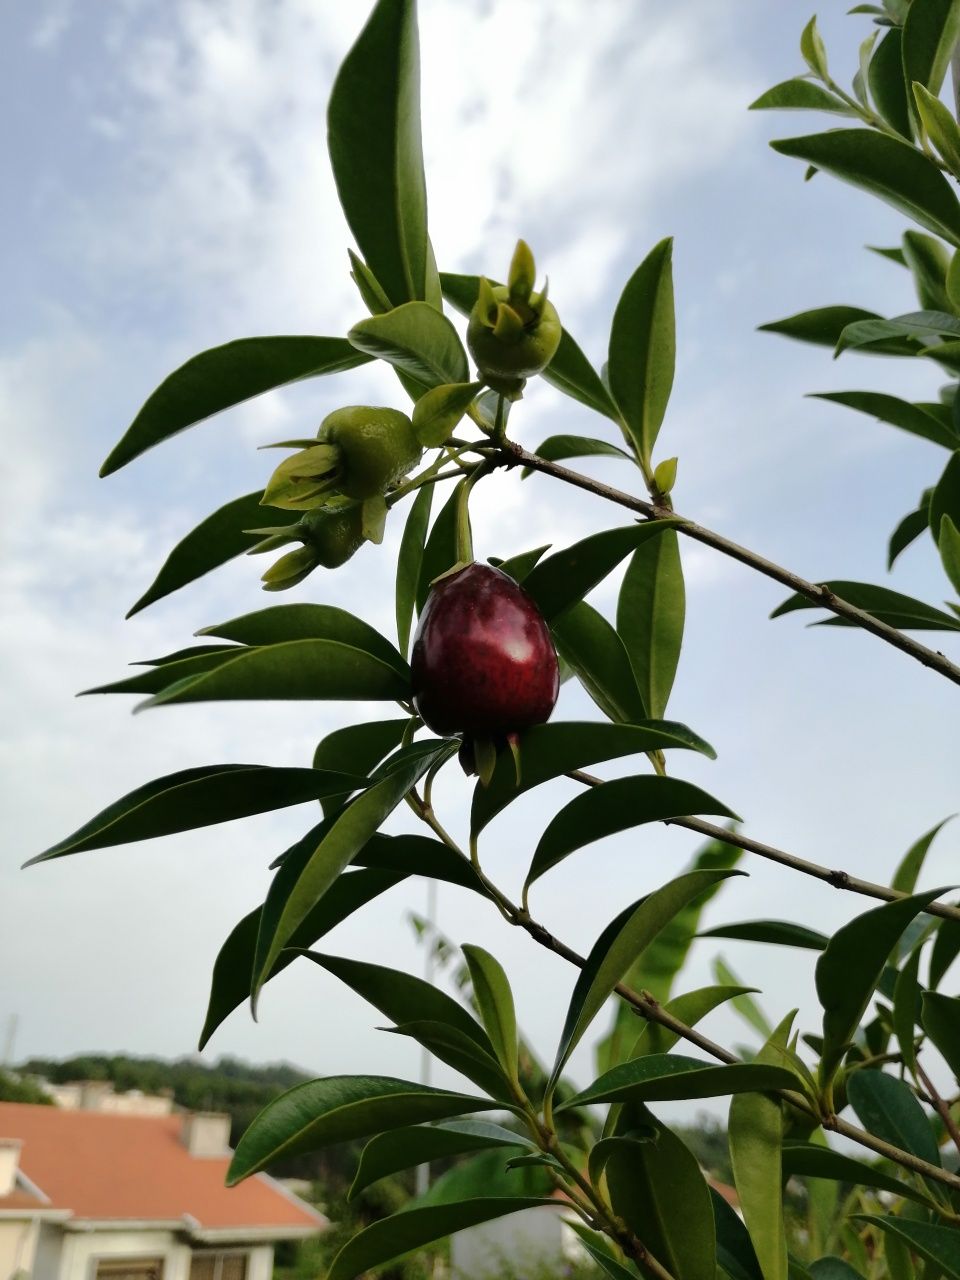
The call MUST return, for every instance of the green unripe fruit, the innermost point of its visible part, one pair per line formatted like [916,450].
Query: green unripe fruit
[377,448]
[513,333]
[333,533]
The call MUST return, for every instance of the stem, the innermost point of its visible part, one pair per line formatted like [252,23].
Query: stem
[817,593]
[838,879]
[941,1108]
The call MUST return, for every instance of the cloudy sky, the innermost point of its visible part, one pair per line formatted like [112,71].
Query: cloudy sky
[167,189]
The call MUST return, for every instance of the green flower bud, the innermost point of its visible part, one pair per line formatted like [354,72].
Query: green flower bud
[513,332]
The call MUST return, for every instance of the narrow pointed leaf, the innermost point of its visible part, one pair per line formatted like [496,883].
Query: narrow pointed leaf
[888,85]
[437,413]
[910,528]
[319,1113]
[735,1251]
[593,650]
[196,798]
[745,1005]
[906,1008]
[559,448]
[358,747]
[643,347]
[906,875]
[225,376]
[416,339]
[949,548]
[886,167]
[923,327]
[930,34]
[618,806]
[373,136]
[823,326]
[650,614]
[939,1246]
[945,499]
[563,579]
[307,622]
[409,562]
[946,948]
[689,1009]
[914,418]
[928,260]
[891,607]
[667,1077]
[440,550]
[807,1160]
[597,1247]
[404,1148]
[780,933]
[163,674]
[460,1051]
[800,95]
[849,969]
[491,990]
[941,1021]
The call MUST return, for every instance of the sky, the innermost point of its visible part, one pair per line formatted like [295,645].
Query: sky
[168,190]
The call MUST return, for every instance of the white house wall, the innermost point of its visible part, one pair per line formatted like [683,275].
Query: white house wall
[82,1250]
[18,1244]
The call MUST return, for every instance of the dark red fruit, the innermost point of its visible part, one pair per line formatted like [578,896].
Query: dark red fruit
[483,662]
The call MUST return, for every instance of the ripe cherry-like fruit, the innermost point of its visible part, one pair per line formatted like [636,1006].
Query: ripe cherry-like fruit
[483,663]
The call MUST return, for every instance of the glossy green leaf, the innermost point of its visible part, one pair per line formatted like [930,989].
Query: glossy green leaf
[888,1108]
[559,448]
[928,260]
[322,1112]
[906,875]
[643,348]
[886,167]
[199,797]
[892,255]
[915,326]
[598,1248]
[910,528]
[307,622]
[303,880]
[374,113]
[458,1050]
[780,933]
[651,608]
[823,326]
[618,946]
[162,674]
[440,550]
[488,1174]
[550,750]
[945,499]
[617,806]
[808,1160]
[225,376]
[941,1021]
[906,1008]
[940,1246]
[519,566]
[891,607]
[416,339]
[667,1077]
[569,371]
[213,542]
[491,991]
[735,1251]
[888,87]
[755,1133]
[409,562]
[401,1233]
[658,1189]
[745,1005]
[946,948]
[914,418]
[563,579]
[591,647]
[419,856]
[849,969]
[949,547]
[812,49]
[689,1008]
[438,411]
[940,126]
[800,95]
[930,35]
[404,1148]
[358,747]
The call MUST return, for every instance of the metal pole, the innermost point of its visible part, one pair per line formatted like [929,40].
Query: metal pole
[429,969]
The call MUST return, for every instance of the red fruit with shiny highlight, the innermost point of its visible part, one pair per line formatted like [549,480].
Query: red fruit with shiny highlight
[483,662]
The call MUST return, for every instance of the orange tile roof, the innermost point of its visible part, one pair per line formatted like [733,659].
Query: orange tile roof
[118,1167]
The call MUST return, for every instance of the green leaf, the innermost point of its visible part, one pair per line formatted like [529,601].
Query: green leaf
[908,530]
[812,49]
[409,562]
[809,1160]
[914,418]
[658,1189]
[299,669]
[888,86]
[735,1251]
[849,969]
[643,348]
[307,622]
[563,579]
[906,1008]
[823,326]
[519,566]
[225,376]
[438,411]
[886,167]
[940,1246]
[888,1108]
[163,674]
[833,1268]
[945,499]
[905,877]
[373,136]
[486,1175]
[920,326]
[196,798]
[319,1113]
[618,947]
[667,1077]
[550,750]
[946,948]
[891,607]
[591,647]
[755,1133]
[559,448]
[441,550]
[599,1250]
[460,1051]
[800,95]
[303,880]
[930,35]
[928,260]
[491,990]
[400,1233]
[949,547]
[689,1009]
[617,806]
[213,542]
[359,747]
[941,1020]
[404,1148]
[416,339]
[569,371]
[650,614]
[781,933]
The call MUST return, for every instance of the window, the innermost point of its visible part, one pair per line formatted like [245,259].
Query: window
[130,1269]
[218,1266]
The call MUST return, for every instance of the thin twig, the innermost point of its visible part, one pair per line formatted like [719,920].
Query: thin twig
[940,1106]
[817,593]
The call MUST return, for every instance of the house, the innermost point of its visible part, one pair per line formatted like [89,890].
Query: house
[102,1195]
